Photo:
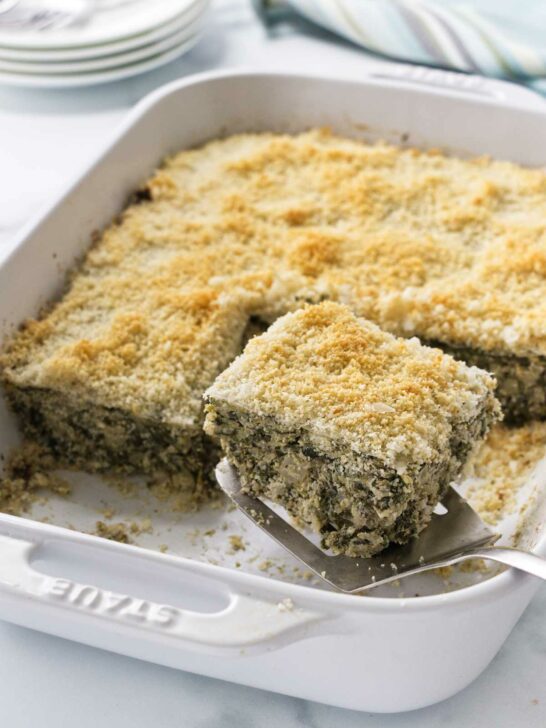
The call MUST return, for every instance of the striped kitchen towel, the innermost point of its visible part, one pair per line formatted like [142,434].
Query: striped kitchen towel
[500,38]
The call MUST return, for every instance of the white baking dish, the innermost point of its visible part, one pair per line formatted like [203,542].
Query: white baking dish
[373,654]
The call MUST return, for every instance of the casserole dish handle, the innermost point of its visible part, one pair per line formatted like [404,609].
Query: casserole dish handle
[460,84]
[243,622]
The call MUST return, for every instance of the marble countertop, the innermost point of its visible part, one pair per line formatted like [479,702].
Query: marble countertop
[46,138]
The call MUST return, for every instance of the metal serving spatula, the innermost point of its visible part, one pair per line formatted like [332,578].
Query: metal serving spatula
[456,535]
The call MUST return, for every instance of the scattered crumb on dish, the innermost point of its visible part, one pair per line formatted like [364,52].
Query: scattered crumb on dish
[286,605]
[28,476]
[501,466]
[113,531]
[237,543]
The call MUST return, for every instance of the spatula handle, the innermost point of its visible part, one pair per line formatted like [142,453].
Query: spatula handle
[522,560]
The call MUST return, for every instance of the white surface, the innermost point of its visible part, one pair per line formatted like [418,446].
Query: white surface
[50,135]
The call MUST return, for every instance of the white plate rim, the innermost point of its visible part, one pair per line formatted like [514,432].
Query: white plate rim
[88,35]
[90,79]
[36,55]
[105,63]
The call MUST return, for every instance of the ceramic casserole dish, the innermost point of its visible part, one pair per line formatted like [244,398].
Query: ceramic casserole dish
[382,653]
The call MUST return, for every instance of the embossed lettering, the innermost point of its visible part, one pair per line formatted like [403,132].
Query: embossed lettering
[116,603]
[137,610]
[59,588]
[165,616]
[86,596]
[111,603]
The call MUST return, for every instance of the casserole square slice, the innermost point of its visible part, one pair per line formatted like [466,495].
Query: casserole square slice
[104,389]
[354,431]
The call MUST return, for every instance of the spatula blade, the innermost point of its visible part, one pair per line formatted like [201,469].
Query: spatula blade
[456,531]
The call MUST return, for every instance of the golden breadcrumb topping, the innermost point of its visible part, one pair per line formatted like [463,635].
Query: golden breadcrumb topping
[336,376]
[153,357]
[258,224]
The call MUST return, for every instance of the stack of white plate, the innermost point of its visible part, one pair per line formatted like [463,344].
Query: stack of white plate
[61,43]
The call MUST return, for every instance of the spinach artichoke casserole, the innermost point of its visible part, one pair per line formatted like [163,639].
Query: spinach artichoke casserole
[248,228]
